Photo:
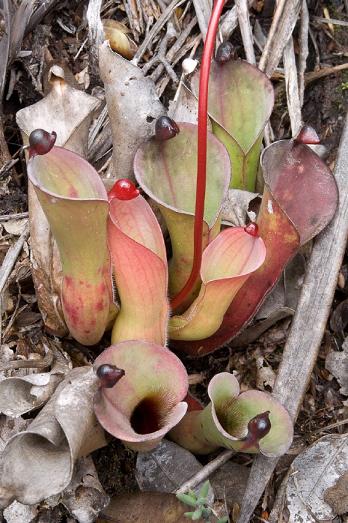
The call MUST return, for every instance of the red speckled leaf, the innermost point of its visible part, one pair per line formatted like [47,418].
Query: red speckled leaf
[276,230]
[75,203]
[300,200]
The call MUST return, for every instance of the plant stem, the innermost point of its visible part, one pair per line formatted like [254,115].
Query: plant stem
[202,152]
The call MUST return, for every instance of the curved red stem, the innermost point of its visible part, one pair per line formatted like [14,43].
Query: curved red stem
[201,153]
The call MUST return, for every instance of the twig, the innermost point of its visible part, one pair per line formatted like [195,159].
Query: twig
[161,55]
[95,28]
[229,21]
[205,472]
[301,349]
[329,21]
[175,49]
[167,13]
[325,71]
[16,216]
[304,31]
[11,257]
[283,23]
[332,426]
[245,29]
[203,11]
[291,85]
[28,364]
[41,11]
[6,168]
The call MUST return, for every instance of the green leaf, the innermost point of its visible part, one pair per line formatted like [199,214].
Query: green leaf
[203,493]
[189,514]
[187,499]
[197,514]
[223,520]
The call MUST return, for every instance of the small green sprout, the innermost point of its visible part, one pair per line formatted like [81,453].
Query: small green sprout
[201,505]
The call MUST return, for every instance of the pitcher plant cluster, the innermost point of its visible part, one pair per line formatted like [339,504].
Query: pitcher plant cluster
[190,283]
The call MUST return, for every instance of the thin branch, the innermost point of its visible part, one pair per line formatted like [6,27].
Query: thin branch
[229,21]
[283,23]
[308,326]
[291,85]
[302,65]
[245,29]
[155,29]
[203,11]
[11,257]
[205,472]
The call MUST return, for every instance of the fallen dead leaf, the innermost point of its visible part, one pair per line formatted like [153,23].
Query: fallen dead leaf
[84,497]
[314,471]
[337,363]
[21,394]
[337,496]
[39,462]
[145,507]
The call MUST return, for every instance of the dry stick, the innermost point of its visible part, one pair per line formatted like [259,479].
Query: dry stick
[205,472]
[302,65]
[325,71]
[330,21]
[95,29]
[203,11]
[155,29]
[245,28]
[174,49]
[41,11]
[308,326]
[11,257]
[15,216]
[291,86]
[229,21]
[283,23]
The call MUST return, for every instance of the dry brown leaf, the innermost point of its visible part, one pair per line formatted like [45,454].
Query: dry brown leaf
[337,496]
[39,462]
[145,507]
[69,112]
[84,497]
[314,471]
[133,107]
[119,41]
[337,363]
[21,394]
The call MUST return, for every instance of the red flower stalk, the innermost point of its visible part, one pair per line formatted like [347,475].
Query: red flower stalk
[202,152]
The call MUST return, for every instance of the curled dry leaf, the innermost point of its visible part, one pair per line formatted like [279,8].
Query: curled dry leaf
[236,206]
[69,113]
[119,41]
[133,107]
[21,394]
[314,471]
[145,507]
[38,462]
[84,497]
